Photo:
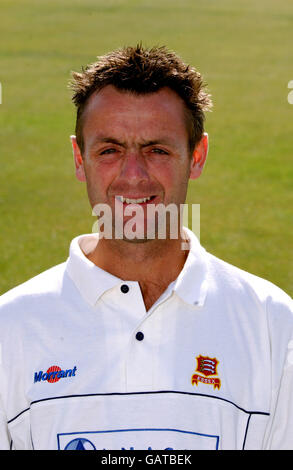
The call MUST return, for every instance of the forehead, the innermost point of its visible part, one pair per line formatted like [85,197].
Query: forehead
[135,115]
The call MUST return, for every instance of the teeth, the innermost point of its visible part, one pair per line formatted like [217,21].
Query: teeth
[133,201]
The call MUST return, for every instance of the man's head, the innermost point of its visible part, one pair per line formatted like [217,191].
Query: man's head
[142,71]
[139,129]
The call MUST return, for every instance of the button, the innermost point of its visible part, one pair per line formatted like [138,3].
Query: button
[124,288]
[139,336]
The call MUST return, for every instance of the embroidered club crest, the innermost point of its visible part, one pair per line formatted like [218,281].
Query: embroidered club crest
[207,367]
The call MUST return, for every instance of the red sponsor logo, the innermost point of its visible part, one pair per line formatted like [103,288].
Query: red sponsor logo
[53,377]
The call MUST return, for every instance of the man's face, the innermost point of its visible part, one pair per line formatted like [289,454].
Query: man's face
[135,149]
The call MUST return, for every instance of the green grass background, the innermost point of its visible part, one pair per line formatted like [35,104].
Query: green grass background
[244,49]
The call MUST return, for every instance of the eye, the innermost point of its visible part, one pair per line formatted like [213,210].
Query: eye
[107,151]
[160,151]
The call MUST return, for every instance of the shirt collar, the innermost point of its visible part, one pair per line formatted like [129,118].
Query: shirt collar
[92,281]
[191,285]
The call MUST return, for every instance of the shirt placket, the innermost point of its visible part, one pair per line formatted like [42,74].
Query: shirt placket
[141,360]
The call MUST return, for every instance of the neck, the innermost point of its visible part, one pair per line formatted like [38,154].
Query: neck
[154,263]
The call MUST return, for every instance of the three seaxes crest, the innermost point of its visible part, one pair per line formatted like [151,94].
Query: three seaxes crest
[207,368]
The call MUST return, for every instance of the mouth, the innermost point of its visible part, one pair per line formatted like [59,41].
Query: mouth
[140,200]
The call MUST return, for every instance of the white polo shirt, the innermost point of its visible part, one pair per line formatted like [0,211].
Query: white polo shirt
[84,366]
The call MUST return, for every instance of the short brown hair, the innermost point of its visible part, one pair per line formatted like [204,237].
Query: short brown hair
[141,70]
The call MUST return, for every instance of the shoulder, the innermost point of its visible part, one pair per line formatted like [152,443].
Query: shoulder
[242,285]
[46,285]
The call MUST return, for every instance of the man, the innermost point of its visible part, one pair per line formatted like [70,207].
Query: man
[144,342]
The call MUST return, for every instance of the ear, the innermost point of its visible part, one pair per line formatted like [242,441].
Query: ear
[78,160]
[199,157]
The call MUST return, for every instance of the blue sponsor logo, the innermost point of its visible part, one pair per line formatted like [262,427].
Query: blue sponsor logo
[53,374]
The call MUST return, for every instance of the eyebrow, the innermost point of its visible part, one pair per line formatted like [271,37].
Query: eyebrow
[146,143]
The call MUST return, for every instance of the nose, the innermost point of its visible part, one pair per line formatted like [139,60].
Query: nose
[134,167]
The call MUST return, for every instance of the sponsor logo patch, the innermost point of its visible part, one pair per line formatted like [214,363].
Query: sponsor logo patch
[207,367]
[54,374]
[137,439]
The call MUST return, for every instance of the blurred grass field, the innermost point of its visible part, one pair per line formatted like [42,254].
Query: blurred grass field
[243,49]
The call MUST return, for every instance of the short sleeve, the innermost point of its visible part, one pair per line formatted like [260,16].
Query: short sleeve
[280,432]
[5,439]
